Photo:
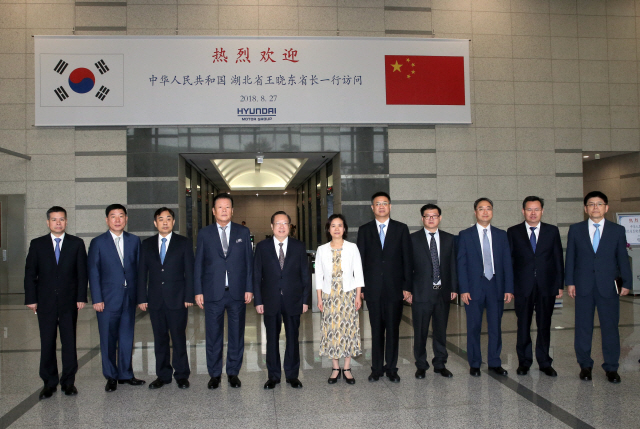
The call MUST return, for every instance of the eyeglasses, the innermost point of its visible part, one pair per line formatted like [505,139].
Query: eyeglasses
[594,205]
[533,210]
[382,204]
[434,217]
[281,224]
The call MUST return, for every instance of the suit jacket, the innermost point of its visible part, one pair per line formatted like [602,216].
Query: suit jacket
[471,266]
[387,272]
[588,270]
[270,283]
[54,285]
[544,267]
[107,275]
[423,290]
[170,283]
[211,264]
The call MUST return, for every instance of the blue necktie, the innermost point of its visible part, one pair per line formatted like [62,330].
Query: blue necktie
[596,237]
[382,234]
[532,238]
[486,256]
[163,250]
[57,240]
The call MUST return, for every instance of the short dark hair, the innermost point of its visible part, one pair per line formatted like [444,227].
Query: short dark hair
[596,194]
[380,194]
[56,209]
[530,199]
[476,202]
[430,207]
[113,207]
[221,196]
[280,212]
[161,210]
[344,223]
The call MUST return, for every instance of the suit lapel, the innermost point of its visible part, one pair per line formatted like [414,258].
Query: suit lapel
[232,237]
[155,249]
[476,241]
[217,243]
[64,250]
[425,243]
[604,239]
[112,245]
[524,235]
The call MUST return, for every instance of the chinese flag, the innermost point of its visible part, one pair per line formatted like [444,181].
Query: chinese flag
[424,80]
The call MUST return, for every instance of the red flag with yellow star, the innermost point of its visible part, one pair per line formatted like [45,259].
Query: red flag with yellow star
[424,80]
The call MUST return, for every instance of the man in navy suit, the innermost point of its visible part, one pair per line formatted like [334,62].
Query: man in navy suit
[166,262]
[281,287]
[55,288]
[596,255]
[223,281]
[485,278]
[113,279]
[536,252]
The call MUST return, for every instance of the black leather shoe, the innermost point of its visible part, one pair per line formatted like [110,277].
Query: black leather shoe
[347,379]
[443,372]
[271,384]
[156,384]
[111,386]
[522,370]
[474,371]
[69,390]
[334,380]
[295,383]
[420,373]
[373,377]
[498,370]
[234,381]
[613,377]
[183,383]
[132,382]
[46,392]
[393,377]
[585,374]
[214,383]
[549,371]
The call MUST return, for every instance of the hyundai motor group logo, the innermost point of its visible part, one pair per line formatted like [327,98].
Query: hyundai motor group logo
[256,113]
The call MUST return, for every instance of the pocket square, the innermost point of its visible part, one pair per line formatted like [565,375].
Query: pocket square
[239,240]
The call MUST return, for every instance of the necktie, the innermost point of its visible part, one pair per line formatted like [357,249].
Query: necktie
[596,237]
[433,247]
[57,240]
[225,243]
[532,238]
[486,256]
[163,250]
[119,251]
[382,234]
[281,256]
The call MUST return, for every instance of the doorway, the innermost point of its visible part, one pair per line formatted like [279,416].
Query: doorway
[12,243]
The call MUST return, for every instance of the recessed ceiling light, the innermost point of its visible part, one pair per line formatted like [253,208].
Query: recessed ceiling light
[585,156]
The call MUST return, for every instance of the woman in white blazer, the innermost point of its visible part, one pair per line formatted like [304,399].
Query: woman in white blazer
[339,281]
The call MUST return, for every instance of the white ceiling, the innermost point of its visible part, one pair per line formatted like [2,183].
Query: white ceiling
[274,173]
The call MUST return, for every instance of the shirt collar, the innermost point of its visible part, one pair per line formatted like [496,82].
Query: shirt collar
[284,242]
[53,237]
[601,223]
[385,223]
[437,233]
[168,237]
[116,236]
[481,228]
[531,226]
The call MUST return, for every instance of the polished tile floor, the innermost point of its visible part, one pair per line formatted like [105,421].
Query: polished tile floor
[532,401]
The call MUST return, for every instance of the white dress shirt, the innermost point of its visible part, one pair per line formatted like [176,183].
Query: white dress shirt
[121,246]
[227,233]
[166,245]
[53,238]
[386,227]
[481,235]
[592,229]
[437,238]
[536,231]
[276,242]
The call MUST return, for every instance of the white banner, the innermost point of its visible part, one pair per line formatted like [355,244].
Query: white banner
[147,81]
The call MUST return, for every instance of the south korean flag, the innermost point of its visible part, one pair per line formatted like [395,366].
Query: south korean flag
[81,80]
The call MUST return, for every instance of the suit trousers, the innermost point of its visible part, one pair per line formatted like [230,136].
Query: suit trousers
[165,321]
[214,320]
[524,306]
[273,325]
[422,313]
[609,316]
[49,323]
[116,327]
[384,317]
[495,306]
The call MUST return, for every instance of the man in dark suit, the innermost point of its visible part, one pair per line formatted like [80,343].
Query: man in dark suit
[536,252]
[55,288]
[223,280]
[166,262]
[281,286]
[113,279]
[435,284]
[596,255]
[385,248]
[485,278]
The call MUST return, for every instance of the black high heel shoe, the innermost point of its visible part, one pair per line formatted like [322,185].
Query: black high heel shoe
[335,380]
[349,380]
